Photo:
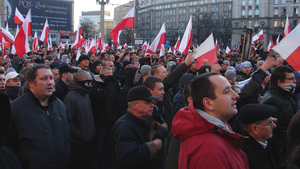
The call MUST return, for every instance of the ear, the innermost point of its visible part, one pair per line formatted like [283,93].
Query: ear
[254,129]
[208,104]
[30,84]
[189,99]
[279,82]
[150,91]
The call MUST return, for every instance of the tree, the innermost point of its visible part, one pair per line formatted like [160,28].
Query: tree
[88,28]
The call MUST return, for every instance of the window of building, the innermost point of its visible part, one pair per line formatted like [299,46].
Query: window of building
[201,2]
[213,1]
[243,2]
[195,3]
[283,1]
[213,8]
[256,12]
[225,7]
[250,13]
[296,11]
[275,12]
[229,6]
[283,12]
[275,2]
[169,6]
[282,23]
[256,2]
[256,24]
[249,23]
[250,2]
[296,1]
[243,13]
[275,23]
[205,1]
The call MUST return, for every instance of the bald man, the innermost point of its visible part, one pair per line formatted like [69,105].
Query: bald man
[80,117]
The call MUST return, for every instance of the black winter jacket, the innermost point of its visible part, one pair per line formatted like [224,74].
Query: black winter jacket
[39,135]
[80,115]
[61,89]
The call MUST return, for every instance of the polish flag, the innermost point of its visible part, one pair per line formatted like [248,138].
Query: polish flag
[271,45]
[82,41]
[35,44]
[7,36]
[78,54]
[49,43]
[21,41]
[92,47]
[289,48]
[228,51]
[5,42]
[28,22]
[45,32]
[18,17]
[286,27]
[160,39]
[187,39]
[126,22]
[145,45]
[277,40]
[118,41]
[100,43]
[67,44]
[206,50]
[61,46]
[176,45]
[259,36]
[13,49]
[217,45]
[125,46]
[162,50]
[169,51]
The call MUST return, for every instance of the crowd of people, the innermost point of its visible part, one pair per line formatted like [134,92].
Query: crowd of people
[123,109]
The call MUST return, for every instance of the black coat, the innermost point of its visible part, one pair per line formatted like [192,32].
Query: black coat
[104,99]
[293,136]
[61,89]
[80,114]
[132,147]
[258,157]
[40,136]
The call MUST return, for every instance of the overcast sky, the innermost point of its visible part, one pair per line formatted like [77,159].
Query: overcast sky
[91,5]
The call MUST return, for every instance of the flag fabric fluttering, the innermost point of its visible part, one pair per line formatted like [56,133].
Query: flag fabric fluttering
[259,36]
[159,39]
[228,51]
[287,29]
[49,43]
[271,45]
[289,48]
[18,18]
[277,40]
[35,44]
[162,50]
[145,45]
[126,22]
[187,39]
[176,45]
[78,41]
[45,32]
[206,50]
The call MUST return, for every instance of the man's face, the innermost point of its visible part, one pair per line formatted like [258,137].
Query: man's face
[226,66]
[84,63]
[111,58]
[14,82]
[92,58]
[136,65]
[2,81]
[279,62]
[144,108]
[69,77]
[98,68]
[289,78]
[246,70]
[224,106]
[194,66]
[265,129]
[111,65]
[162,72]
[55,74]
[158,91]
[42,86]
[107,73]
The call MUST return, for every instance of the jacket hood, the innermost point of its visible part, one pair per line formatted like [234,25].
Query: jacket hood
[73,85]
[130,74]
[188,123]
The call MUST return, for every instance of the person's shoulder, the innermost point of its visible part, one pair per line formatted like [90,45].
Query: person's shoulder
[20,100]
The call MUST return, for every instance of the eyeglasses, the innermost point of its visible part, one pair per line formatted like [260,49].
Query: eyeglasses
[269,124]
[292,78]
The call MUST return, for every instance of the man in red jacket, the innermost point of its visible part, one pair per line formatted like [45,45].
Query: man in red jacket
[207,139]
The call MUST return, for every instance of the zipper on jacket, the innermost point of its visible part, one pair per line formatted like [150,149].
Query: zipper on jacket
[47,113]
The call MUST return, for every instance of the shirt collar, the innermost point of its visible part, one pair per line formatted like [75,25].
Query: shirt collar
[263,144]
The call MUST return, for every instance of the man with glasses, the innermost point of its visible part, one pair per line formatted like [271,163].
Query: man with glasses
[281,90]
[258,127]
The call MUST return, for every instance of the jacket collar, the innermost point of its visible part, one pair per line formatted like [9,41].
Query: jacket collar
[51,99]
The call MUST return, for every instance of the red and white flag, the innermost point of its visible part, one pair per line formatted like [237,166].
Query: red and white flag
[206,50]
[45,32]
[125,46]
[159,39]
[21,40]
[28,23]
[162,50]
[78,54]
[49,43]
[7,36]
[100,43]
[118,41]
[35,44]
[92,47]
[177,44]
[78,40]
[287,29]
[259,36]
[126,22]
[217,45]
[271,45]
[145,45]
[228,51]
[187,39]
[277,40]
[18,18]
[67,44]
[289,48]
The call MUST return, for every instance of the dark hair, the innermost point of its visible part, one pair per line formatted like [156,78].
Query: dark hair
[150,81]
[202,87]
[32,72]
[90,54]
[187,92]
[279,74]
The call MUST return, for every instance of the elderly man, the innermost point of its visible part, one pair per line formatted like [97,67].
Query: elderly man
[207,140]
[37,142]
[258,124]
[135,138]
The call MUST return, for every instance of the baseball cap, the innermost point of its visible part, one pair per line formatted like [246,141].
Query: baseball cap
[11,75]
[66,68]
[140,93]
[145,69]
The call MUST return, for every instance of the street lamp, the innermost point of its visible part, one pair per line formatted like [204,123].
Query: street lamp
[102,3]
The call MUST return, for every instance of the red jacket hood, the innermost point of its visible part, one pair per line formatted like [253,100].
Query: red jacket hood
[188,123]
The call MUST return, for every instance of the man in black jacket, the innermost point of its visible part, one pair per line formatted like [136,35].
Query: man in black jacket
[80,117]
[104,97]
[135,140]
[258,126]
[66,75]
[282,87]
[40,134]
